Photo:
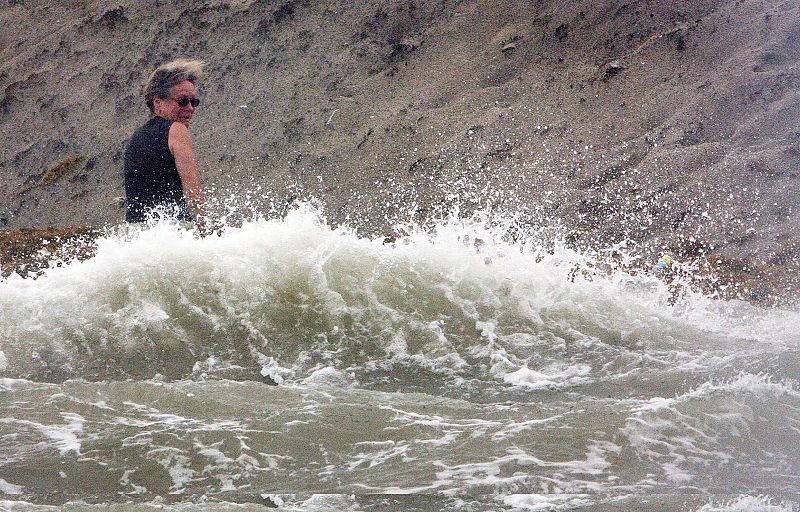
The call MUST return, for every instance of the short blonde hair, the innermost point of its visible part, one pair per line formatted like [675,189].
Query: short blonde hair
[167,75]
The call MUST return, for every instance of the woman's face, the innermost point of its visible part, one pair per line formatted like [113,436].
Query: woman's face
[168,108]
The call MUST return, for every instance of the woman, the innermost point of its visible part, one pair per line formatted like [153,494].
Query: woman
[160,167]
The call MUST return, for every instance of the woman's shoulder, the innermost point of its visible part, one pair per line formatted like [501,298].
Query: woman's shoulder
[155,123]
[157,127]
[154,132]
[159,122]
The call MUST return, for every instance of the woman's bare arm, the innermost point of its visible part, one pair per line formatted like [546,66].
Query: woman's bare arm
[181,146]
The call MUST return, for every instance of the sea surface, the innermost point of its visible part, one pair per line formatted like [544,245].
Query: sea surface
[290,365]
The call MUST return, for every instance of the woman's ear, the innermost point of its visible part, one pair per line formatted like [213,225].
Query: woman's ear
[158,104]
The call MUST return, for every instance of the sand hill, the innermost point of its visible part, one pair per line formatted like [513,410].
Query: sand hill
[670,124]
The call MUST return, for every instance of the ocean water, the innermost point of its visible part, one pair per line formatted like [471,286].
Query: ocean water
[289,365]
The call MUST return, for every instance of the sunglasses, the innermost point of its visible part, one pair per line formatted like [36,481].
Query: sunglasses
[185,101]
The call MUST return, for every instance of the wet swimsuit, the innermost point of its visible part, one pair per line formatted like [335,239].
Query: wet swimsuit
[151,177]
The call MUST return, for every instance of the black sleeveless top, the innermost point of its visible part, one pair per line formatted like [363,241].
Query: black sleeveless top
[151,177]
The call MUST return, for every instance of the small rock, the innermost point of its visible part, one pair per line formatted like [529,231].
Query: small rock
[508,34]
[403,49]
[509,48]
[112,17]
[612,69]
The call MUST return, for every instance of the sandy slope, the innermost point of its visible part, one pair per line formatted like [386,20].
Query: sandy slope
[673,124]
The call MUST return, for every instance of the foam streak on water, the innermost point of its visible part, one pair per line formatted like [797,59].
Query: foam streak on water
[443,371]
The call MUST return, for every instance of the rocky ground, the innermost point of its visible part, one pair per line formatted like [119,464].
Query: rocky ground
[669,124]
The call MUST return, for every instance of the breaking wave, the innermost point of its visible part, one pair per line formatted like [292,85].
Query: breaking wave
[446,361]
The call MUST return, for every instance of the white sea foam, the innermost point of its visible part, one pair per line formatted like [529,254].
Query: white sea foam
[270,368]
[375,454]
[716,421]
[546,502]
[750,504]
[328,376]
[760,384]
[65,437]
[324,503]
[514,428]
[9,488]
[551,377]
[177,463]
[24,506]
